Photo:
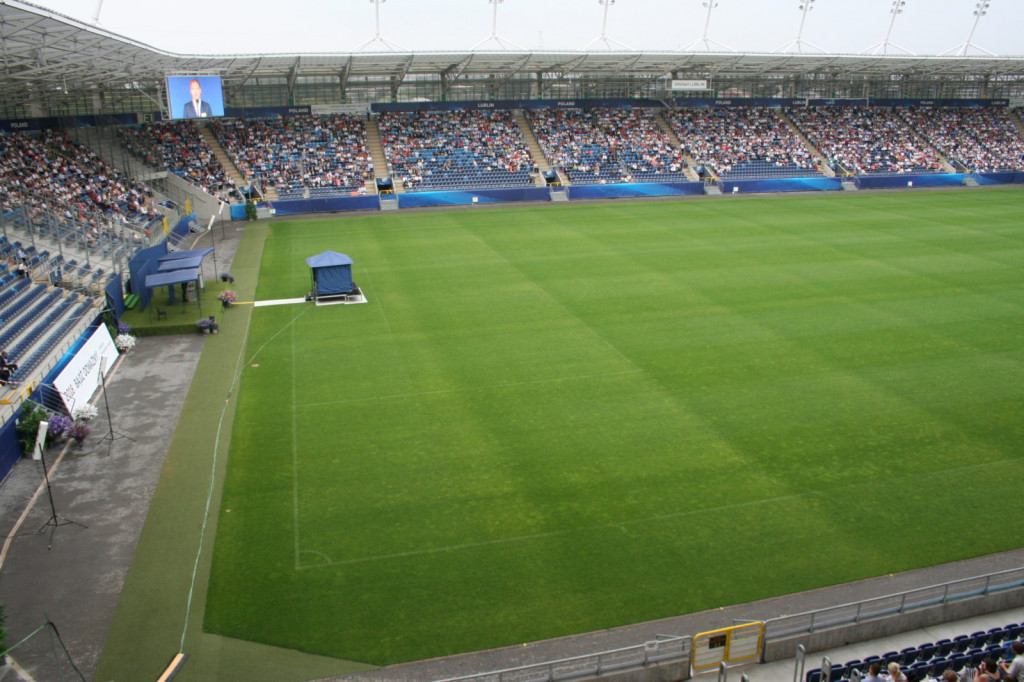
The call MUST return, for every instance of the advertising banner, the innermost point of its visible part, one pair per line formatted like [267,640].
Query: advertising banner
[79,379]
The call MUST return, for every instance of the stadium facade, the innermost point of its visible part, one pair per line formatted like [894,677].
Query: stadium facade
[56,66]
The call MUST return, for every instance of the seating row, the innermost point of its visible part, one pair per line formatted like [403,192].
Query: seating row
[48,335]
[931,659]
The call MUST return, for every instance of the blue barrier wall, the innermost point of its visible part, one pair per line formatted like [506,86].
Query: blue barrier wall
[639,189]
[10,451]
[183,226]
[142,264]
[623,191]
[326,205]
[483,196]
[115,297]
[782,185]
[894,181]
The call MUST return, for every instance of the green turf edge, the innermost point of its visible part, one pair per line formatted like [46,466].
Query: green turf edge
[147,628]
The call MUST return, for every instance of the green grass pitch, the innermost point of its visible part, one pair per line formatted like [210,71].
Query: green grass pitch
[560,418]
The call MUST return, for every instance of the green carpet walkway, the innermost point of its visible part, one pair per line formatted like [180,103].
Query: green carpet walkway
[161,609]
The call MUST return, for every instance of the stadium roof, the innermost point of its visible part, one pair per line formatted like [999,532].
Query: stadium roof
[46,54]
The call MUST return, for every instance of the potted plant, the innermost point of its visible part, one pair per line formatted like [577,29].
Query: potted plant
[78,431]
[58,425]
[124,342]
[204,325]
[85,412]
[226,277]
[227,297]
[28,426]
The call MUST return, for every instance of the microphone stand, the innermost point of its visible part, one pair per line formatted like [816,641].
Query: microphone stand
[55,518]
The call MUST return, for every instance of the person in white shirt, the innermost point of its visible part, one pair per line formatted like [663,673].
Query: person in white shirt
[1013,671]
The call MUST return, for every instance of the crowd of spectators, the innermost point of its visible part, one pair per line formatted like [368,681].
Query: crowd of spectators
[56,183]
[983,139]
[298,153]
[428,150]
[743,140]
[866,140]
[179,147]
[607,145]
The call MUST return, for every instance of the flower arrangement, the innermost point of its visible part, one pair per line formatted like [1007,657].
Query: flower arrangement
[124,342]
[204,324]
[78,430]
[58,425]
[227,297]
[85,412]
[226,277]
[123,328]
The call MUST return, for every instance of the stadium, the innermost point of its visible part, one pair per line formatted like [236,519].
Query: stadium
[529,364]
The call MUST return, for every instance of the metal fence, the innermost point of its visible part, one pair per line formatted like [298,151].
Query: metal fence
[655,652]
[680,649]
[891,605]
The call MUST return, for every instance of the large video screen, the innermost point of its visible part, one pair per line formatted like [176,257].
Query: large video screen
[195,96]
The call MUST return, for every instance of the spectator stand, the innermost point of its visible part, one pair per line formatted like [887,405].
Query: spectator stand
[866,141]
[178,147]
[743,143]
[974,140]
[302,157]
[432,151]
[607,146]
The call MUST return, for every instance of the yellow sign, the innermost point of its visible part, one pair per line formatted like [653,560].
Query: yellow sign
[728,645]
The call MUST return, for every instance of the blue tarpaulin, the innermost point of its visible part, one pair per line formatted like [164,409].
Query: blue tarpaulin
[332,273]
[187,253]
[169,279]
[180,263]
[164,279]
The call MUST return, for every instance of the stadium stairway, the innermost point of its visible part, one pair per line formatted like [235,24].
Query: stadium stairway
[536,153]
[228,163]
[678,144]
[381,169]
[947,166]
[1014,115]
[823,164]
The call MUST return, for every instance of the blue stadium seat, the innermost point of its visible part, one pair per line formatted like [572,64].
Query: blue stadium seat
[943,647]
[961,643]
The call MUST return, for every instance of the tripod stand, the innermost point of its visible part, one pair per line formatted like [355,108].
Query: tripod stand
[55,518]
[111,435]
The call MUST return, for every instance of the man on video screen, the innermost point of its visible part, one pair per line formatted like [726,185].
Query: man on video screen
[196,107]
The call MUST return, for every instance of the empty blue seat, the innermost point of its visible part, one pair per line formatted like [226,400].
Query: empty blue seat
[961,643]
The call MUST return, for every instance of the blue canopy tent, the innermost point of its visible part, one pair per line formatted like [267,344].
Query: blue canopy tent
[169,279]
[332,275]
[156,259]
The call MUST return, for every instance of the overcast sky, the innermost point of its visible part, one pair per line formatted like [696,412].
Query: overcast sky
[925,27]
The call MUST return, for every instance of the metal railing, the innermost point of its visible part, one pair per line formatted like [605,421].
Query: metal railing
[670,649]
[894,604]
[655,652]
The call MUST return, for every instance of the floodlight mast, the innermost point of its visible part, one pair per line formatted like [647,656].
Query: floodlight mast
[980,10]
[502,43]
[897,9]
[704,39]
[799,42]
[378,38]
[603,38]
